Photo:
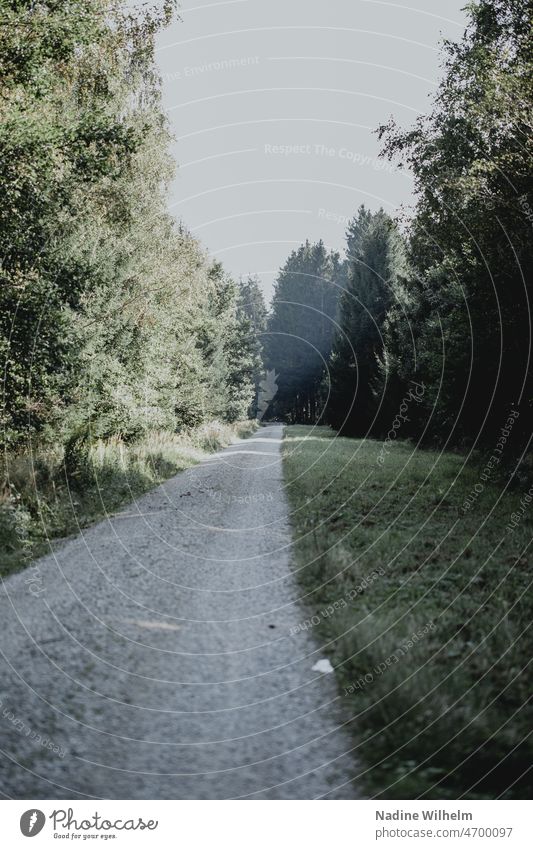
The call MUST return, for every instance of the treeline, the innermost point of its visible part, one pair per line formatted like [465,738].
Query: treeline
[441,303]
[300,330]
[125,351]
[113,320]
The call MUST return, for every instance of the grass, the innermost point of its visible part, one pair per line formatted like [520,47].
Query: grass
[423,608]
[40,503]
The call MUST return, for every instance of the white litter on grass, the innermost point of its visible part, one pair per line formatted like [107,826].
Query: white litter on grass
[322,666]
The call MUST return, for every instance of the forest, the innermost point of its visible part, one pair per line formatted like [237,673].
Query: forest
[439,299]
[118,330]
[129,353]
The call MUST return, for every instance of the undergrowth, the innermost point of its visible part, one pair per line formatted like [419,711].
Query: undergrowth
[43,498]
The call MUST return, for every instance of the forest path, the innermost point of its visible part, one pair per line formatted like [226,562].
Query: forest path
[155,651]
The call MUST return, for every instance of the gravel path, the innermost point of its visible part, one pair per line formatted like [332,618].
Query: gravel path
[154,652]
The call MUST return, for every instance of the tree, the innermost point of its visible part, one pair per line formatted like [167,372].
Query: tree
[375,261]
[469,293]
[113,320]
[300,329]
[252,315]
[70,136]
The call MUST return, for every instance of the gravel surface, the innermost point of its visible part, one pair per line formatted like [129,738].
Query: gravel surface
[152,656]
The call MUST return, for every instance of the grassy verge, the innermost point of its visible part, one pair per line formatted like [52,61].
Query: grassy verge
[424,609]
[40,502]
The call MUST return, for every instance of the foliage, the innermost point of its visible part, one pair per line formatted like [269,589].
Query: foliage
[300,329]
[448,308]
[43,501]
[252,314]
[466,330]
[375,260]
[113,321]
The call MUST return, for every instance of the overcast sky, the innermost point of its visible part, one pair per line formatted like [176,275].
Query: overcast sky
[273,104]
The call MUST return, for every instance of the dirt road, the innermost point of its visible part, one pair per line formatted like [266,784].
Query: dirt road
[152,656]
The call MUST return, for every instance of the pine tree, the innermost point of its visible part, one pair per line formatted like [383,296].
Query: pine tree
[468,303]
[300,329]
[375,261]
[252,314]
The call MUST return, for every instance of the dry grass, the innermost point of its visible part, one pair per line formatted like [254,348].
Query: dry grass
[39,502]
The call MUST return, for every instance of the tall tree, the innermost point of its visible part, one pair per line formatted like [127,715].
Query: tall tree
[375,261]
[252,314]
[113,320]
[300,329]
[469,294]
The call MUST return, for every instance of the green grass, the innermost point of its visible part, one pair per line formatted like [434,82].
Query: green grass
[39,503]
[424,609]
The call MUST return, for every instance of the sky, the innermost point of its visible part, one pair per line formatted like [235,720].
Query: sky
[273,105]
